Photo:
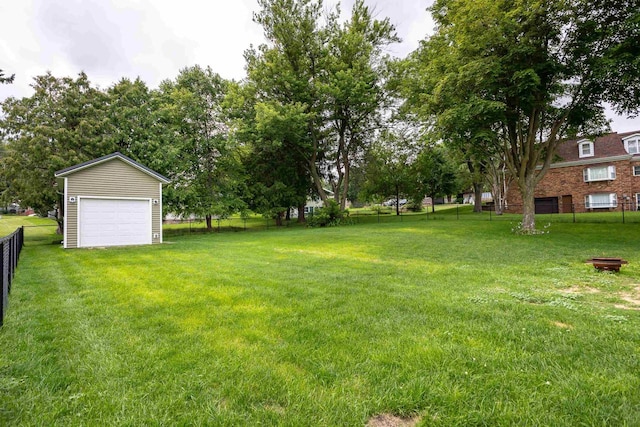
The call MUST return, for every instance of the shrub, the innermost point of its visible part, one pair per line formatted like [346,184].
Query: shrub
[413,207]
[328,216]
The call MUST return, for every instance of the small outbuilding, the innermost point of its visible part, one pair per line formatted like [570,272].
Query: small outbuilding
[111,201]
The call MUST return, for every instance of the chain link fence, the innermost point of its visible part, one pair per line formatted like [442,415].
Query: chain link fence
[622,213]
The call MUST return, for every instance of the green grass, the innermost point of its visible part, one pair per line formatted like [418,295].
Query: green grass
[38,230]
[460,323]
[253,222]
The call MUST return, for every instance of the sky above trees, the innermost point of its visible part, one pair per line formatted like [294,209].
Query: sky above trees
[154,39]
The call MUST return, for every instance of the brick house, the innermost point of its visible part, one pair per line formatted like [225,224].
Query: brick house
[589,174]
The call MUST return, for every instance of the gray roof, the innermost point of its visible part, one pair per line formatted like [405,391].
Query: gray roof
[117,155]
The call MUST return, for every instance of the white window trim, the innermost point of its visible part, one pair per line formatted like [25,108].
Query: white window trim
[65,204]
[611,174]
[582,143]
[632,138]
[633,169]
[589,203]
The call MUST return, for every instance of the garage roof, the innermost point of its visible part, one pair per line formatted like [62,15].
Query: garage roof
[117,155]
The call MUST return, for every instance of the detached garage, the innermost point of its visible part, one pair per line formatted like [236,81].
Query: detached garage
[111,201]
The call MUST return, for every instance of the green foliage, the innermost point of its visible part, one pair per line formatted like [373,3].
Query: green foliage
[284,100]
[329,216]
[333,73]
[202,159]
[387,169]
[414,206]
[276,171]
[524,75]
[6,80]
[136,128]
[434,175]
[62,124]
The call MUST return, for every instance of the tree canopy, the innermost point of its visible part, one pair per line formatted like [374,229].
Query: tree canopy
[63,123]
[527,74]
[203,160]
[497,87]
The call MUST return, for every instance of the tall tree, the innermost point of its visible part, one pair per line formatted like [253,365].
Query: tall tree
[333,70]
[277,175]
[63,123]
[288,74]
[355,88]
[204,162]
[434,175]
[537,72]
[388,169]
[136,129]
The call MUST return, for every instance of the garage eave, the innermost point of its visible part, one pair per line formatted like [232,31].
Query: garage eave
[117,155]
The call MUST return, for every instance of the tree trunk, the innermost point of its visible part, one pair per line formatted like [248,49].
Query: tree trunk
[498,197]
[528,206]
[278,218]
[499,185]
[477,195]
[397,200]
[301,217]
[316,179]
[208,219]
[346,163]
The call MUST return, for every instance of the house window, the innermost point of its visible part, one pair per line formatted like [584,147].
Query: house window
[638,201]
[586,148]
[636,170]
[632,145]
[599,173]
[599,201]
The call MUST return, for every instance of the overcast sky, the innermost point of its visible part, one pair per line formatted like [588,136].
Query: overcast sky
[112,39]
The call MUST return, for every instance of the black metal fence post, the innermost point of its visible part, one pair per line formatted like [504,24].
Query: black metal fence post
[623,202]
[10,247]
[4,287]
[573,211]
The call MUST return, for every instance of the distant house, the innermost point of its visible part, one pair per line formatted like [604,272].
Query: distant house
[111,201]
[312,204]
[589,174]
[469,197]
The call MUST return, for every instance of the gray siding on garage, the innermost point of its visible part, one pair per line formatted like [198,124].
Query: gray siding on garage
[113,178]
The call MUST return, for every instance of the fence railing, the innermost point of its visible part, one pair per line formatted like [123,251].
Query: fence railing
[10,248]
[622,212]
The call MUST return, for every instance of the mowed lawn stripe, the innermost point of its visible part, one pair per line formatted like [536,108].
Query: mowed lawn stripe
[456,323]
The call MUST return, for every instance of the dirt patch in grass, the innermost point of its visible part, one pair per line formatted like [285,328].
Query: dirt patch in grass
[580,290]
[275,408]
[388,420]
[632,297]
[563,325]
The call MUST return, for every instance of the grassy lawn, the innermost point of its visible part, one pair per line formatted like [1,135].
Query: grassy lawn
[458,323]
[39,230]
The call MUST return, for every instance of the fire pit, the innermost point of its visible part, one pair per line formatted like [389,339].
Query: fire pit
[606,263]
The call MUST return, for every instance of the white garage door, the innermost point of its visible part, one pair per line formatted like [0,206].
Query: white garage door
[109,222]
